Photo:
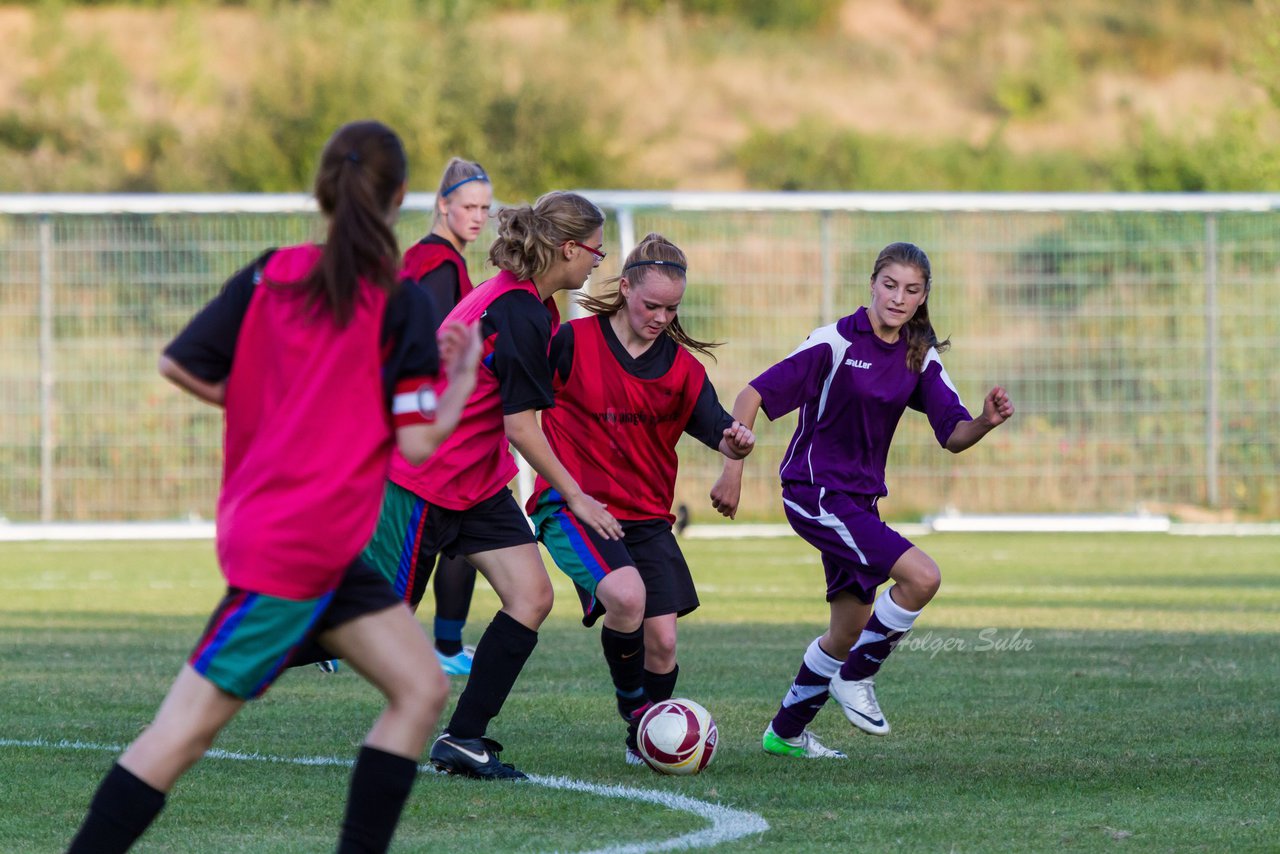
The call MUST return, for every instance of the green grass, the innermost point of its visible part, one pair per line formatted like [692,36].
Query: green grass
[1134,709]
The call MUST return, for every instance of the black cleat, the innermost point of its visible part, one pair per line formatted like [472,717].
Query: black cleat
[472,757]
[632,754]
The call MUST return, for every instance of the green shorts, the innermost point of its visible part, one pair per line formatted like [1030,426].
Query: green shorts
[251,637]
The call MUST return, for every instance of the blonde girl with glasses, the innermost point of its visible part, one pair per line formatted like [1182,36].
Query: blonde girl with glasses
[458,502]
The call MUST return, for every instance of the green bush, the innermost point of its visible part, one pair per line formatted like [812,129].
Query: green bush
[432,86]
[812,156]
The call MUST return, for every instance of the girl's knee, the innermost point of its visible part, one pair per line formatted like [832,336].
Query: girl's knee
[530,604]
[542,600]
[423,698]
[625,598]
[919,579]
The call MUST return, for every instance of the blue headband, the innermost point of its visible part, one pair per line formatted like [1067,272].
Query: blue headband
[480,177]
[679,267]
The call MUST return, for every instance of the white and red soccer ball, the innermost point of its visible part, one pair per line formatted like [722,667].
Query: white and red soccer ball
[677,737]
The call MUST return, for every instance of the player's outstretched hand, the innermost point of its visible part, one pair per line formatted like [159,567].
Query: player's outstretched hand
[460,347]
[738,441]
[997,408]
[727,491]
[593,513]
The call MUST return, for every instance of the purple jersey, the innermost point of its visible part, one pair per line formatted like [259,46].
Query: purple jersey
[851,389]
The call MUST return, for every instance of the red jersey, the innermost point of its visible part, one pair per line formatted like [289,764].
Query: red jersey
[429,255]
[514,375]
[616,432]
[308,420]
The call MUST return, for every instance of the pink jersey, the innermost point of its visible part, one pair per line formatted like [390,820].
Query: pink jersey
[308,437]
[475,461]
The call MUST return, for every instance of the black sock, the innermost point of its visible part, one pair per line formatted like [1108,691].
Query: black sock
[453,583]
[448,648]
[309,653]
[624,653]
[661,686]
[121,811]
[380,784]
[500,656]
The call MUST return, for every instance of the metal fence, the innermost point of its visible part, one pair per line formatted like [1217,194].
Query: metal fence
[1134,332]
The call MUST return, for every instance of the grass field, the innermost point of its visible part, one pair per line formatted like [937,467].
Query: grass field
[1063,693]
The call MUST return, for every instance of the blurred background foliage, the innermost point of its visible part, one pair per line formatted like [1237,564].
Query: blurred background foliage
[198,95]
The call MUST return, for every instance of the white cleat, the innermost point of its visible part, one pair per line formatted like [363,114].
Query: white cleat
[858,699]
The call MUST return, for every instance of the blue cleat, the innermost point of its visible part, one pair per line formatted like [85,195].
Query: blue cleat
[457,665]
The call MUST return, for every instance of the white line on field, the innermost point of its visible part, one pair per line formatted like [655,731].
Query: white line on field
[726,824]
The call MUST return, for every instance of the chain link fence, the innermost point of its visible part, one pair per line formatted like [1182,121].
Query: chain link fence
[1135,334]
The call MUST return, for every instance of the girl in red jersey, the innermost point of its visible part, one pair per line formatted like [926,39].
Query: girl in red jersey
[627,388]
[463,200]
[319,360]
[458,502]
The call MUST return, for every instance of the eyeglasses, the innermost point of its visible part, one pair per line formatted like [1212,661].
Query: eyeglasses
[594,250]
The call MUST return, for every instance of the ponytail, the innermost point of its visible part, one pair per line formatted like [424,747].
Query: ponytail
[529,236]
[362,169]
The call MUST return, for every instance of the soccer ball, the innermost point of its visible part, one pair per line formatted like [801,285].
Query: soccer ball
[677,737]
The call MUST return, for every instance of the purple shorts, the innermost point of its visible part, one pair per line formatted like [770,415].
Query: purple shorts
[858,550]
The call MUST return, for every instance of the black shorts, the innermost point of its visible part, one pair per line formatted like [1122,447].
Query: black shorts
[668,583]
[363,591]
[411,532]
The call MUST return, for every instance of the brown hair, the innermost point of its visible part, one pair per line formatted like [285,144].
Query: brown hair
[655,255]
[362,168]
[528,236]
[919,329]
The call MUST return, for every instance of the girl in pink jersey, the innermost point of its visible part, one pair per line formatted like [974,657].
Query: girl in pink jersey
[321,362]
[852,381]
[627,388]
[458,502]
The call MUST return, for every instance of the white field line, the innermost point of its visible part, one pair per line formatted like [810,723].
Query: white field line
[726,824]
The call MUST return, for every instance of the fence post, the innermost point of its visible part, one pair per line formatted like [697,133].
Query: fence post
[47,502]
[626,233]
[827,251]
[1212,426]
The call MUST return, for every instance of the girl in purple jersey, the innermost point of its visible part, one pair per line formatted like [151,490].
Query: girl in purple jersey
[320,361]
[851,382]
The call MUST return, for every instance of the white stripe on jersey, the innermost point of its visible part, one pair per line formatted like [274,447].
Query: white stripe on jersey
[422,401]
[839,344]
[932,356]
